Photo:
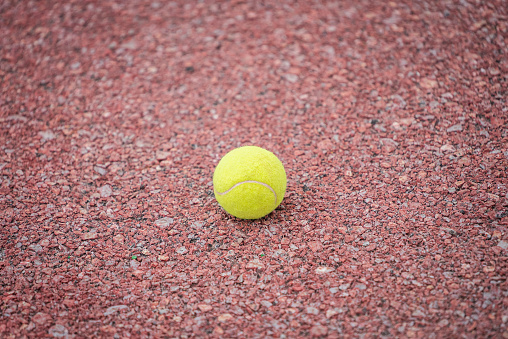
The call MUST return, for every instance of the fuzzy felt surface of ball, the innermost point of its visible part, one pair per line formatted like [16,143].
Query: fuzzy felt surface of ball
[249,182]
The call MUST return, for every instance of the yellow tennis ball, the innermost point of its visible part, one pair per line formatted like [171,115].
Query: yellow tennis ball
[249,182]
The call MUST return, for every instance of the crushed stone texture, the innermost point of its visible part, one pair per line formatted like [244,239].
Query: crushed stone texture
[390,118]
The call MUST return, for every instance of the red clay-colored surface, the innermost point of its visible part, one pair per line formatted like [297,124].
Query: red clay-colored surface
[390,120]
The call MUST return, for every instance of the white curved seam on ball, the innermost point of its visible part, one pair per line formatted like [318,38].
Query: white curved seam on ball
[250,182]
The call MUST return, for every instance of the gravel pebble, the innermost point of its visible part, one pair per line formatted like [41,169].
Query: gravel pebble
[164,222]
[455,128]
[105,191]
[503,244]
[58,331]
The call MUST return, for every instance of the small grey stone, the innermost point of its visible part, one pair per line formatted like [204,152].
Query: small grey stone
[58,331]
[114,309]
[329,50]
[390,144]
[454,128]
[312,310]
[428,117]
[161,155]
[130,45]
[344,287]
[47,135]
[142,143]
[503,244]
[392,20]
[41,318]
[418,313]
[181,250]
[360,286]
[36,248]
[16,117]
[291,77]
[197,224]
[237,310]
[266,303]
[105,191]
[164,222]
[100,170]
[443,323]
[447,148]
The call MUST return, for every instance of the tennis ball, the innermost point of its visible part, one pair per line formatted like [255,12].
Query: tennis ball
[249,182]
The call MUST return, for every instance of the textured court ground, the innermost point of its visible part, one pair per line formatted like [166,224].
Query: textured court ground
[390,118]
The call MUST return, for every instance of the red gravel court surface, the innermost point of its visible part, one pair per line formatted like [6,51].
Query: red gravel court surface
[390,118]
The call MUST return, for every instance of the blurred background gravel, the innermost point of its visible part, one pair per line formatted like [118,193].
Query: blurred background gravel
[390,119]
